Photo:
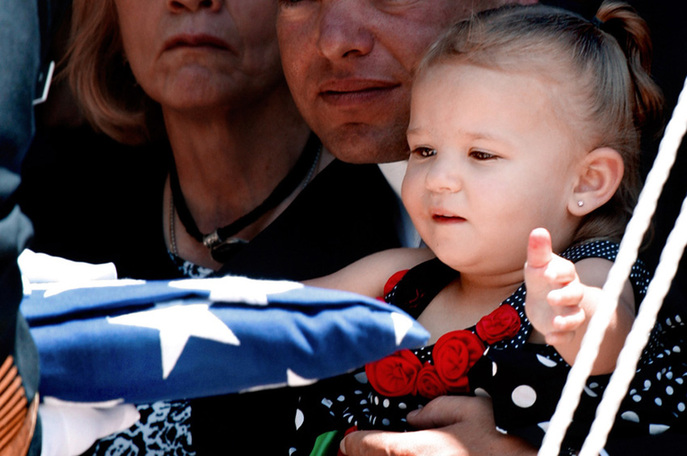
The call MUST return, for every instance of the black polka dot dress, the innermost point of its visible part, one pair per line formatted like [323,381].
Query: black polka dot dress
[493,358]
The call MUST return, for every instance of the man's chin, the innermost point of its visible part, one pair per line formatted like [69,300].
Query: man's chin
[360,147]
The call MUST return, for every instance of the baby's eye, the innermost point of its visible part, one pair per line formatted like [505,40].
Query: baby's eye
[481,155]
[424,151]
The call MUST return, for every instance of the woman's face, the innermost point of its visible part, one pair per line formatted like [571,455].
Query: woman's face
[199,54]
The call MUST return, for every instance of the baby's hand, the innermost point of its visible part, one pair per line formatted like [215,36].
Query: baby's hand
[554,291]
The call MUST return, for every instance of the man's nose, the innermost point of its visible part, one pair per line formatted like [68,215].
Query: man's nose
[343,30]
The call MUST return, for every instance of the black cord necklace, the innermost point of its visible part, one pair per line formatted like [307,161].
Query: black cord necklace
[221,242]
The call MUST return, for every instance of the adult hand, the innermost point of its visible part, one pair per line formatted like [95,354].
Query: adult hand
[450,425]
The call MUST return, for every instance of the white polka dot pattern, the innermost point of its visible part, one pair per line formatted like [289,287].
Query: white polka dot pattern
[524,380]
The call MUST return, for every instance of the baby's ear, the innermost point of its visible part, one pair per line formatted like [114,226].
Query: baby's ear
[599,177]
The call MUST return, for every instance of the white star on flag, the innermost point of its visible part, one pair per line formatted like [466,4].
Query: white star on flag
[402,325]
[176,324]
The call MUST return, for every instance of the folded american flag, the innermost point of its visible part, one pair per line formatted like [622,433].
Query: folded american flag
[140,341]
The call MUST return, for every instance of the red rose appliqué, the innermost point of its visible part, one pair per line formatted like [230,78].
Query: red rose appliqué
[454,354]
[394,375]
[429,383]
[503,323]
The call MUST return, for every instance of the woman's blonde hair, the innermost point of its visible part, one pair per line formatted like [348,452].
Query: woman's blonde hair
[605,61]
[101,79]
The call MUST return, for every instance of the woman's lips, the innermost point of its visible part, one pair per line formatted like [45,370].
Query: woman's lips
[200,40]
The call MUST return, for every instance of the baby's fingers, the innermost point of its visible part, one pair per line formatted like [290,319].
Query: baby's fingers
[565,304]
[559,338]
[539,250]
[563,327]
[570,294]
[569,322]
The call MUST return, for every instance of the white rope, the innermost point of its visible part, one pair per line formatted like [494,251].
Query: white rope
[620,270]
[638,337]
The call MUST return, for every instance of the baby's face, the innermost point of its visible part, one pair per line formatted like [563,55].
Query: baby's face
[490,160]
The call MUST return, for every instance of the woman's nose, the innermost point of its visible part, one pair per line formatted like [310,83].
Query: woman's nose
[178,6]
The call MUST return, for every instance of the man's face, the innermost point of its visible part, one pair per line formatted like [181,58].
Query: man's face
[350,63]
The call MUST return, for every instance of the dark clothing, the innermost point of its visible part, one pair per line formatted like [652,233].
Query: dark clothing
[345,213]
[102,201]
[524,380]
[92,199]
[24,24]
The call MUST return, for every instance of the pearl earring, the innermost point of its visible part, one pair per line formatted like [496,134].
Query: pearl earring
[580,203]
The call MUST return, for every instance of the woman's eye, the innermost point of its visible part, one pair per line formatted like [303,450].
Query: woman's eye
[481,155]
[424,151]
[287,3]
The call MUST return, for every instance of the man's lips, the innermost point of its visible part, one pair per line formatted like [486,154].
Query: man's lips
[355,91]
[196,40]
[356,84]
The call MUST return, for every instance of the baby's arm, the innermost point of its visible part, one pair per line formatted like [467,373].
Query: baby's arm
[562,297]
[368,275]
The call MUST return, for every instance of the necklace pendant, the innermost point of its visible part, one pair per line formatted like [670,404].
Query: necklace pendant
[212,240]
[223,251]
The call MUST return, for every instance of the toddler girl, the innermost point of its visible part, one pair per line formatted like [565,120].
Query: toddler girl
[525,137]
